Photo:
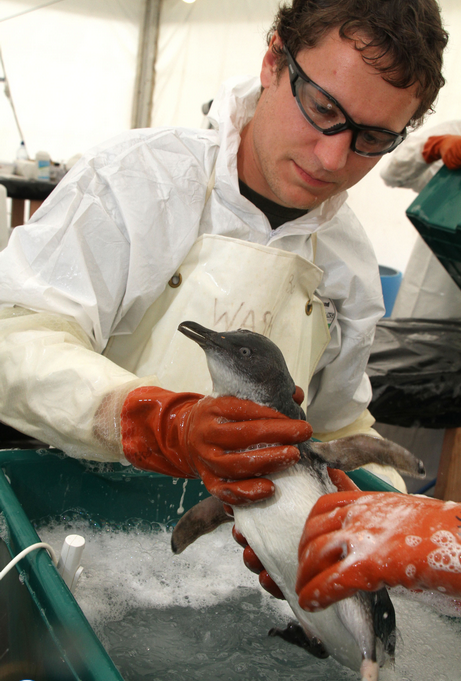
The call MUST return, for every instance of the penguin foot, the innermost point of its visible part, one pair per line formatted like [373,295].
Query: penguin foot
[295,634]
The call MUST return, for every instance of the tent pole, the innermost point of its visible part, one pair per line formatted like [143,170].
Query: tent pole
[145,71]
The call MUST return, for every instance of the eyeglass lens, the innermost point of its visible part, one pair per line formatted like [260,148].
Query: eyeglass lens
[325,115]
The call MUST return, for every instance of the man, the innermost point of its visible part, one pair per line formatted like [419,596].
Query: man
[244,225]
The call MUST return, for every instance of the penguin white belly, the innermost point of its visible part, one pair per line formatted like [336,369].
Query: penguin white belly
[273,529]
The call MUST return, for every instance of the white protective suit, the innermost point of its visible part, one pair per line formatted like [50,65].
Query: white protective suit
[427,290]
[100,251]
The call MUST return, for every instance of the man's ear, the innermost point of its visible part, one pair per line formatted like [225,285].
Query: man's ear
[269,65]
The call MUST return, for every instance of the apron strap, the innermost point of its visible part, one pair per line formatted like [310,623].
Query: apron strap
[210,185]
[314,246]
[176,279]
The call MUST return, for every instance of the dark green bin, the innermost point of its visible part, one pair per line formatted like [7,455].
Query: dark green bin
[436,214]
[44,635]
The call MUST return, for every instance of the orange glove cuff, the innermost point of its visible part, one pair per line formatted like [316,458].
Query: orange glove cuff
[150,432]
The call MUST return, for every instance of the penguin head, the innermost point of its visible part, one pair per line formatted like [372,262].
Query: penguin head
[244,364]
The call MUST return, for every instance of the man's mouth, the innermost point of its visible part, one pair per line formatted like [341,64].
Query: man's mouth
[311,180]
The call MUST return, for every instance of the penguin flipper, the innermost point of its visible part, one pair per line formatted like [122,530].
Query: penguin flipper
[348,453]
[201,519]
[294,633]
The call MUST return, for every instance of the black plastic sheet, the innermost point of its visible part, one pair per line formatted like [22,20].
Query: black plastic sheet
[13,439]
[21,188]
[415,373]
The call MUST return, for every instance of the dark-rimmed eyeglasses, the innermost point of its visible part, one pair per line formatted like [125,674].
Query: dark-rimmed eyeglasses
[327,116]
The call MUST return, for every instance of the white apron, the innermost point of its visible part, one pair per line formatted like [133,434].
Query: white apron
[226,284]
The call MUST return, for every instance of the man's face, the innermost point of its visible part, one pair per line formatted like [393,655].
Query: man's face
[284,158]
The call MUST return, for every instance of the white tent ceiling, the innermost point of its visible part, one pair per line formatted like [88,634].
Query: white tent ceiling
[71,66]
[71,69]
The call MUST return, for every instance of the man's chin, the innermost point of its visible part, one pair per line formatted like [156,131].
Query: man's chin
[302,200]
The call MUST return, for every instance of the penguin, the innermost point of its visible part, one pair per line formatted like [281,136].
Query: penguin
[359,632]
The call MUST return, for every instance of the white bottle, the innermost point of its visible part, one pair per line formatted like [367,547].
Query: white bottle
[21,153]
[42,163]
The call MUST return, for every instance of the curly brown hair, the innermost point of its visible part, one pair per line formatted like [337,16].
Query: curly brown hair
[403,39]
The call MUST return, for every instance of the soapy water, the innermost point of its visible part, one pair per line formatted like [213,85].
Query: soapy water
[202,615]
[227,641]
[4,530]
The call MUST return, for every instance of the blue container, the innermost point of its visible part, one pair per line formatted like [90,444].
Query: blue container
[390,282]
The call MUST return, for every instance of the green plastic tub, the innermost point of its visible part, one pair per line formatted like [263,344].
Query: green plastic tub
[436,214]
[44,635]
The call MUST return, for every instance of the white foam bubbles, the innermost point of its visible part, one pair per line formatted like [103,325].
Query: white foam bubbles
[412,540]
[4,529]
[410,570]
[137,569]
[428,645]
[448,556]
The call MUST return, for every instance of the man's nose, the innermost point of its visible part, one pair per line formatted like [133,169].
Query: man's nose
[333,150]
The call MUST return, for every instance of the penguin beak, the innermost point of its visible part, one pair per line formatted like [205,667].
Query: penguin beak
[198,333]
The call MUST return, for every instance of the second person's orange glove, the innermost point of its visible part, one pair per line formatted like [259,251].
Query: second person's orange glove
[446,147]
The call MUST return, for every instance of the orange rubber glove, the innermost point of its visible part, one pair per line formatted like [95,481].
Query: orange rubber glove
[366,540]
[188,436]
[251,560]
[446,147]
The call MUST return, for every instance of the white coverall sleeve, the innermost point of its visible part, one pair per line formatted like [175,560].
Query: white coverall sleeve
[340,389]
[87,266]
[53,384]
[407,167]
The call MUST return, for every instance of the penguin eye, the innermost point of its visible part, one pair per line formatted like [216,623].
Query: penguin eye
[246,352]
